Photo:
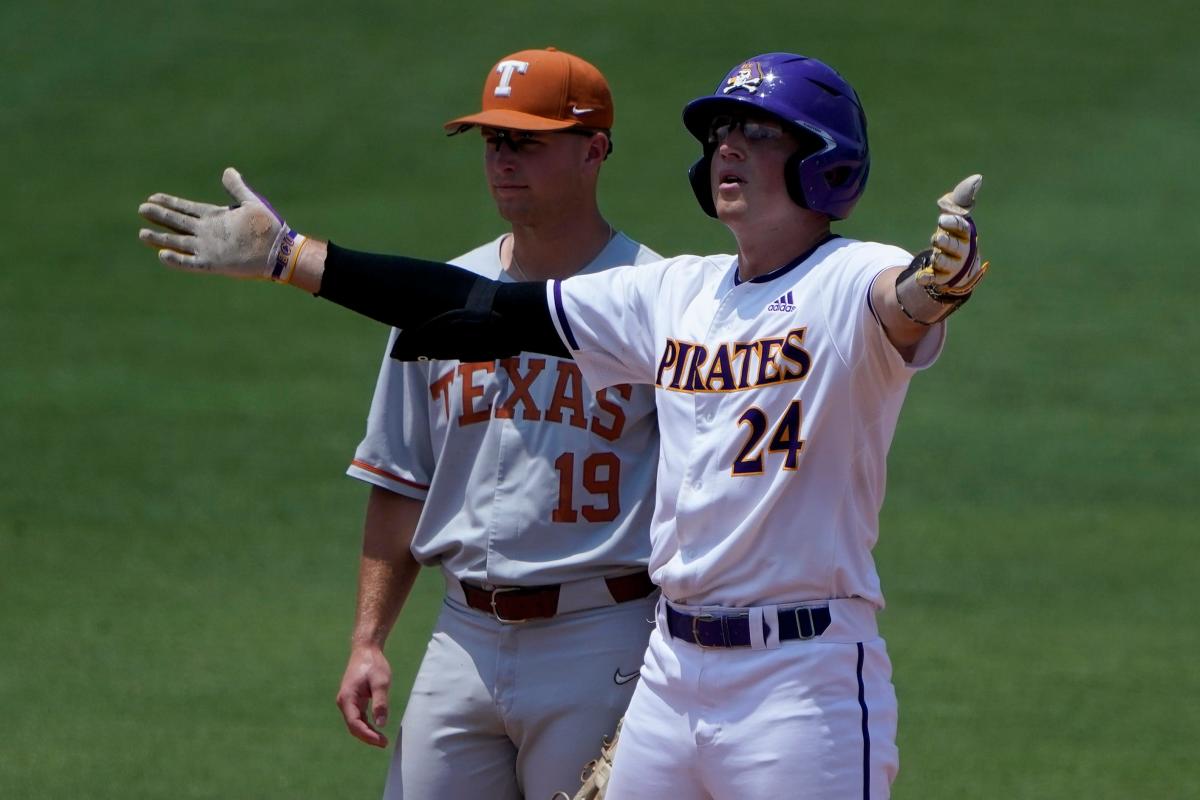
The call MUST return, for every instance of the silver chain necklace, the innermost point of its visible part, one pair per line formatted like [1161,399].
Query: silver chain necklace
[515,266]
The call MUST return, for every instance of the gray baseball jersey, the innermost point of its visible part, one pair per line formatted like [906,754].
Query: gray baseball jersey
[528,476]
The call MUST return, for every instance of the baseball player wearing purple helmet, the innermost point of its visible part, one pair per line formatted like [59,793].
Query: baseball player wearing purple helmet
[779,373]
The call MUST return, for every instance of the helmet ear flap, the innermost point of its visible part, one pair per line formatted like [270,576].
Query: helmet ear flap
[793,179]
[699,177]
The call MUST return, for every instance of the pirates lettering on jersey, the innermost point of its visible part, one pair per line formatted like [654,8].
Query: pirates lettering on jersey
[466,391]
[733,366]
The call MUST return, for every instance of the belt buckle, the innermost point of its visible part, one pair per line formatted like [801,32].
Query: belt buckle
[696,620]
[812,623]
[496,611]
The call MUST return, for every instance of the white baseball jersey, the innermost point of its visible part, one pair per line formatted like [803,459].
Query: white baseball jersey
[528,475]
[777,399]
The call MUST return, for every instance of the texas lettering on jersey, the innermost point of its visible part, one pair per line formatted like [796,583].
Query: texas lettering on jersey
[733,366]
[479,398]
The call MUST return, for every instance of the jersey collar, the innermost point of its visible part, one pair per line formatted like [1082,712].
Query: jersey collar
[786,268]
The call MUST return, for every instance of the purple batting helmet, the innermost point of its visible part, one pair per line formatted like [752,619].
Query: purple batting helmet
[817,104]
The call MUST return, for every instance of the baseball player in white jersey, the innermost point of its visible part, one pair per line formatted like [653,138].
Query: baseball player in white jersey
[779,373]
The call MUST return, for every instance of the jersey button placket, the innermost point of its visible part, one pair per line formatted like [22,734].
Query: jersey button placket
[692,478]
[506,435]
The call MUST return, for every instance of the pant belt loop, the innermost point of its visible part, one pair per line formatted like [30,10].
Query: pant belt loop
[757,629]
[771,621]
[454,588]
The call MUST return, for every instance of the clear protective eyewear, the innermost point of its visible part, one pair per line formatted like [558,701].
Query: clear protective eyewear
[755,130]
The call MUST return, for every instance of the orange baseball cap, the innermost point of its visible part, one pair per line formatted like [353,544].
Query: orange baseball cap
[542,90]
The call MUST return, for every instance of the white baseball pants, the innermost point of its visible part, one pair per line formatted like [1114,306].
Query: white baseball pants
[813,720]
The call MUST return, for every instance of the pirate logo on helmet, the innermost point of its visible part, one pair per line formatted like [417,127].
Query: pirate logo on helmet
[748,76]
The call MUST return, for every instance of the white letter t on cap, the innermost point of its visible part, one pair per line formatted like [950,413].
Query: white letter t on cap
[506,70]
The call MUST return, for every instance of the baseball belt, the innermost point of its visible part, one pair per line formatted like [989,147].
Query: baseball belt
[521,603]
[732,629]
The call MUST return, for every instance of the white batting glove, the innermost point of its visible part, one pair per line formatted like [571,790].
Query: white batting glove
[248,239]
[954,266]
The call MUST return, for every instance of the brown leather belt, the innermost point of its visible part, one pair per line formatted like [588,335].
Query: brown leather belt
[520,603]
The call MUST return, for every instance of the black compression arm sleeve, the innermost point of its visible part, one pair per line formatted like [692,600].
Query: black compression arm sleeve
[525,313]
[432,304]
[396,290]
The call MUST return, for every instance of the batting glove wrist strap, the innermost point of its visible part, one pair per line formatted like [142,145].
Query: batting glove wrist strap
[925,304]
[285,253]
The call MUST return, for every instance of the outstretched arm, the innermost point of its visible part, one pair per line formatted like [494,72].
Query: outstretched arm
[908,300]
[442,311]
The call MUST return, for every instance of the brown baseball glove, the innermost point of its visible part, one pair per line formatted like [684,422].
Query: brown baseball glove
[596,772]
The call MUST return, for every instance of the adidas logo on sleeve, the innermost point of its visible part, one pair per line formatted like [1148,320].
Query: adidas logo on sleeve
[784,303]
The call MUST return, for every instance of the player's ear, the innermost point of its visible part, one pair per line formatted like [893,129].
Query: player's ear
[599,146]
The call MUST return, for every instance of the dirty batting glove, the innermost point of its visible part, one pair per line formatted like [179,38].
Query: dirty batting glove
[248,239]
[953,266]
[939,280]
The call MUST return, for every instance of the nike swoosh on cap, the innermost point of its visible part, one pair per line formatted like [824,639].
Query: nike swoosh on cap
[577,110]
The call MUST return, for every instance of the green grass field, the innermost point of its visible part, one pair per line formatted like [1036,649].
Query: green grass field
[178,545]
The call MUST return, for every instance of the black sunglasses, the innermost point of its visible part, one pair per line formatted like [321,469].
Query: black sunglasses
[515,140]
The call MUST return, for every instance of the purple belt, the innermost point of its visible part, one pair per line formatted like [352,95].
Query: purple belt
[732,629]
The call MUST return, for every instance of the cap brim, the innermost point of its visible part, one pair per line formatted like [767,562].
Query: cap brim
[511,120]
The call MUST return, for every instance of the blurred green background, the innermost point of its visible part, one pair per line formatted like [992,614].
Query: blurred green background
[178,546]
